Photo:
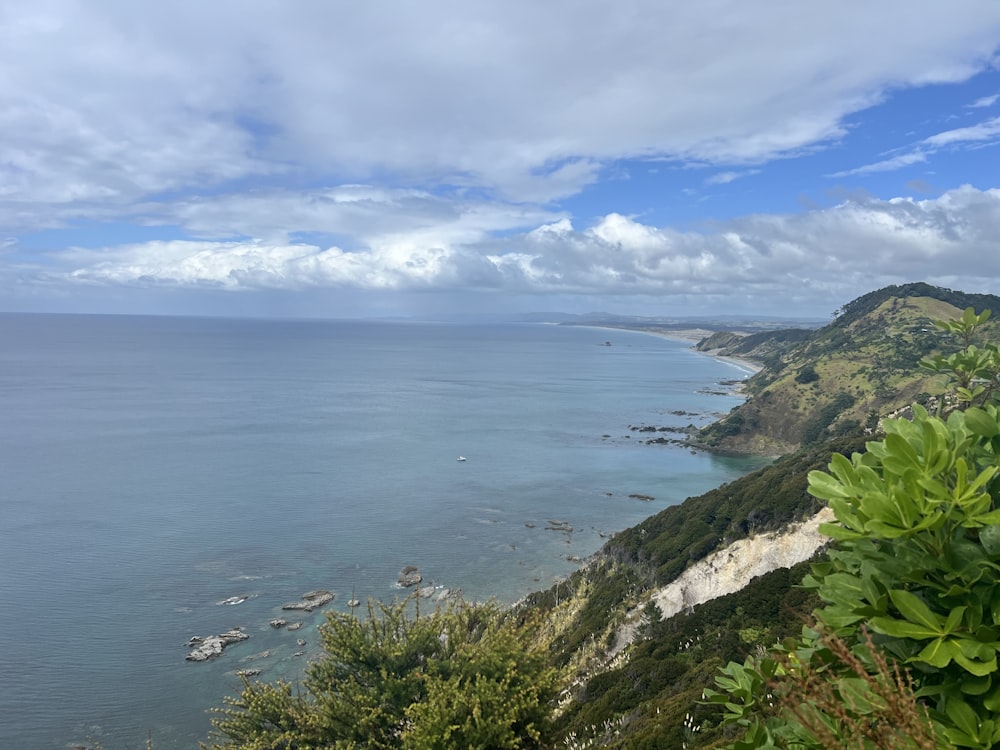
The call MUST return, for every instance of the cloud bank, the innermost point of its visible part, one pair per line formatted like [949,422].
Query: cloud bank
[834,253]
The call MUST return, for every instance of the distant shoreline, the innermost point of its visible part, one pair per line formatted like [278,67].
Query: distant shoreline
[691,336]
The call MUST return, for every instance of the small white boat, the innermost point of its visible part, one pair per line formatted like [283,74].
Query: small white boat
[461,458]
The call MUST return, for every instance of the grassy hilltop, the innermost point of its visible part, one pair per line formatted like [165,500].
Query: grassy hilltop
[841,378]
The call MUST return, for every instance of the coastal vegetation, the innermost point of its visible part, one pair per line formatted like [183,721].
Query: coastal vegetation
[461,676]
[889,639]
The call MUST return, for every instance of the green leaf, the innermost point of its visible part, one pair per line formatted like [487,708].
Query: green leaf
[963,717]
[914,609]
[989,519]
[838,532]
[839,617]
[992,701]
[938,653]
[858,696]
[902,629]
[978,668]
[989,537]
[954,619]
[981,423]
[826,487]
[976,685]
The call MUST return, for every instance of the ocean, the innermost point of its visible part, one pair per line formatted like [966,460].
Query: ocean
[167,477]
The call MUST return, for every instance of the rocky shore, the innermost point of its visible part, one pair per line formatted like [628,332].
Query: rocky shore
[204,648]
[311,600]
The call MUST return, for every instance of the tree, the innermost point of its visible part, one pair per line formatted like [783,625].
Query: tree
[974,369]
[463,676]
[916,565]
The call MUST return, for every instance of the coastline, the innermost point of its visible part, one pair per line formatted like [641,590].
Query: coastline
[692,336]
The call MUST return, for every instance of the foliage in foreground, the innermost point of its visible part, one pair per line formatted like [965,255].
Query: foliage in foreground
[461,677]
[917,564]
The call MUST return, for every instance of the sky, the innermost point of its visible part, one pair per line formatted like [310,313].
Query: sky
[368,159]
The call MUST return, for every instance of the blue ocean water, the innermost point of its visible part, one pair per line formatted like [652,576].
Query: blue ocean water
[153,468]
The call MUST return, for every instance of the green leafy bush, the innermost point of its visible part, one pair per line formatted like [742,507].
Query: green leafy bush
[461,677]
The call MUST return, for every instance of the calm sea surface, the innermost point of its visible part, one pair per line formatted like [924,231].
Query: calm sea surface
[152,468]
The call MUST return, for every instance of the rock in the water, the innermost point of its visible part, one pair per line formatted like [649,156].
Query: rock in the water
[410,576]
[425,592]
[278,623]
[311,600]
[209,648]
[248,672]
[295,626]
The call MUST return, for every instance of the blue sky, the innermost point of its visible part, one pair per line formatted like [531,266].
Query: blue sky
[347,159]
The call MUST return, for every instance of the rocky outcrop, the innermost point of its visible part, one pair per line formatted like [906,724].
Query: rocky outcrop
[204,649]
[311,600]
[409,576]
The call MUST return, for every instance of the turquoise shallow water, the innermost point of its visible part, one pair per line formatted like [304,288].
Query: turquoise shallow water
[155,467]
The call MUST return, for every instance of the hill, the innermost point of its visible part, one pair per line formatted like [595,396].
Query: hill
[842,378]
[649,695]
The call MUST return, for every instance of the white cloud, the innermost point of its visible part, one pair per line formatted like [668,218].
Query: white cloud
[256,265]
[364,214]
[103,104]
[823,254]
[985,101]
[983,131]
[724,178]
[988,130]
[886,165]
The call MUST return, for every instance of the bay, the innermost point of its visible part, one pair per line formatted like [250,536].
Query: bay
[154,468]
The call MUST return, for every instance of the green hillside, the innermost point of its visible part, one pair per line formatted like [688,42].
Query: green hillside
[842,378]
[652,699]
[673,660]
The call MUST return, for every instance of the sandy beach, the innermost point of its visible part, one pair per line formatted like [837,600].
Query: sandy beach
[692,336]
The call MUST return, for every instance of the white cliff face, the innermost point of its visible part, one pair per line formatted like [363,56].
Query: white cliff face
[730,569]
